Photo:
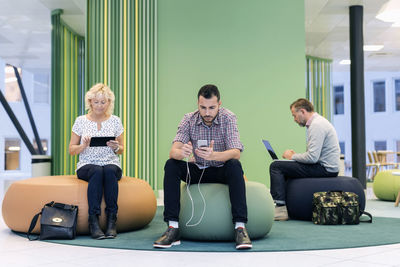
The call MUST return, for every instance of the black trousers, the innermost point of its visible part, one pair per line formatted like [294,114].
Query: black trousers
[281,171]
[231,174]
[101,178]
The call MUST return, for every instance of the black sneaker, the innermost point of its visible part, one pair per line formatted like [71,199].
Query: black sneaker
[242,239]
[168,239]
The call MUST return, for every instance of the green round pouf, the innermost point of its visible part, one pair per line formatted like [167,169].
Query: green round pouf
[216,222]
[386,185]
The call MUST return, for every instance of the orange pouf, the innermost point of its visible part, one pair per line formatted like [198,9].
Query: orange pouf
[136,202]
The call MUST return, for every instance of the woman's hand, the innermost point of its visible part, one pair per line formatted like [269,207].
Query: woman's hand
[76,146]
[114,145]
[85,141]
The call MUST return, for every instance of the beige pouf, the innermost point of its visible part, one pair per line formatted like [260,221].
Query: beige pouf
[136,202]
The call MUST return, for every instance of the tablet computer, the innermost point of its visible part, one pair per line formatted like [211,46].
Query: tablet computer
[100,141]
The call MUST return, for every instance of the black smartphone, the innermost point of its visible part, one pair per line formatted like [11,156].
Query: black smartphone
[101,141]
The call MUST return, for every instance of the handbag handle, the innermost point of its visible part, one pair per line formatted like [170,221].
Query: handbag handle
[368,214]
[34,221]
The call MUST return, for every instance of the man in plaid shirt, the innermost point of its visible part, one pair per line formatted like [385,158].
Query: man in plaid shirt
[218,162]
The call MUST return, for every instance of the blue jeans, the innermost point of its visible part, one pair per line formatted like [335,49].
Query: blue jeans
[101,178]
[231,174]
[281,171]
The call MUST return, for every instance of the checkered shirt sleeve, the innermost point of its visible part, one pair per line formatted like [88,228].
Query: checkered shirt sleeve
[182,134]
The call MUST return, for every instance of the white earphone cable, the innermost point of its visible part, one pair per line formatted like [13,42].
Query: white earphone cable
[188,180]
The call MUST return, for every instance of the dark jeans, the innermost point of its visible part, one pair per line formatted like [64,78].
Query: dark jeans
[231,174]
[281,171]
[101,178]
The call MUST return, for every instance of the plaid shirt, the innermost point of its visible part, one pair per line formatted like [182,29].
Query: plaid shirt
[223,131]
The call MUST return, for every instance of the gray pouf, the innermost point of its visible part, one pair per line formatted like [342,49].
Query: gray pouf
[299,193]
[216,223]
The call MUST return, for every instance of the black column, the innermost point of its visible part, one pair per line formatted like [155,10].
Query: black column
[28,111]
[17,124]
[357,94]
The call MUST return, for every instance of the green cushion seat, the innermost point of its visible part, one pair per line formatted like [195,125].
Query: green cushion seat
[386,185]
[216,223]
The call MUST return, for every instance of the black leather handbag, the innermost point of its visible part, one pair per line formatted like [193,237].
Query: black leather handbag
[58,221]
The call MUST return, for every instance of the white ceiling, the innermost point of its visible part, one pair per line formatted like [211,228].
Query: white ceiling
[25,32]
[327,34]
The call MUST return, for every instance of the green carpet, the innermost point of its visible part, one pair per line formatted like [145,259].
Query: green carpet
[284,236]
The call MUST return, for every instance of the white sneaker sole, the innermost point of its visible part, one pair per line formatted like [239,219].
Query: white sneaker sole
[244,246]
[176,243]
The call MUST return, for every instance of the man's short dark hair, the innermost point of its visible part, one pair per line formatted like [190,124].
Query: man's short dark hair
[208,91]
[302,103]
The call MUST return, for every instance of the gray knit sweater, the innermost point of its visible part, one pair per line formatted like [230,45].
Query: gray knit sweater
[322,145]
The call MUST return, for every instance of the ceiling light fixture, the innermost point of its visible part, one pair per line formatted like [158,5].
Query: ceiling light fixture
[390,11]
[372,47]
[396,25]
[10,80]
[345,62]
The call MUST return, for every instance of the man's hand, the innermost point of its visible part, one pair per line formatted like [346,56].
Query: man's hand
[206,152]
[288,154]
[186,150]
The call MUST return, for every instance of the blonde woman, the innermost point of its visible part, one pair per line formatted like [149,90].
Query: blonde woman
[99,165]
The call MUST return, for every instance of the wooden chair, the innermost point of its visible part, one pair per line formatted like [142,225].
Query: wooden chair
[372,167]
[382,162]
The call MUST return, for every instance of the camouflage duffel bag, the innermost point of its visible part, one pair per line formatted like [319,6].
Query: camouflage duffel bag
[337,207]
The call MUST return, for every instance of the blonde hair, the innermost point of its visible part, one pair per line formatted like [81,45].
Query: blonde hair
[100,89]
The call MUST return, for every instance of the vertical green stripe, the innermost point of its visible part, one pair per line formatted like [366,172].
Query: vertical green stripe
[318,88]
[67,87]
[125,100]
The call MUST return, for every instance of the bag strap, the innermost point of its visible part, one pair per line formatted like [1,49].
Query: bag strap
[368,214]
[33,224]
[34,221]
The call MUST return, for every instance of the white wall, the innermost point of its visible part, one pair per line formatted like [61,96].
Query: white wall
[41,115]
[379,126]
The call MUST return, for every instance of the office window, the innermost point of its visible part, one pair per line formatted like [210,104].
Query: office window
[397,94]
[41,88]
[380,145]
[12,148]
[44,145]
[379,96]
[339,99]
[342,148]
[11,88]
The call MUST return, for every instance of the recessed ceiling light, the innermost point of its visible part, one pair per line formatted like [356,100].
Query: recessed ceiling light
[345,62]
[372,47]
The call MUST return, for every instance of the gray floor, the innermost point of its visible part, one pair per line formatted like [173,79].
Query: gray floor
[18,251]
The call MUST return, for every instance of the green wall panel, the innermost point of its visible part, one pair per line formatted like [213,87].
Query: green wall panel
[253,51]
[319,84]
[121,52]
[66,91]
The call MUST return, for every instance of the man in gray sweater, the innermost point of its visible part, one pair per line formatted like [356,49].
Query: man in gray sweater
[320,160]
